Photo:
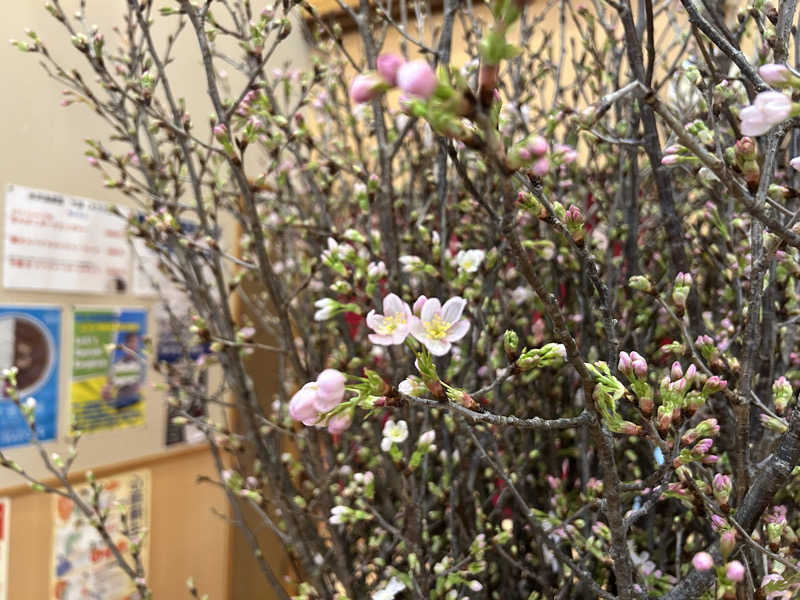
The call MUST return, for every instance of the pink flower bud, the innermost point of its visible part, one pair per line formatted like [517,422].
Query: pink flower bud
[625,365]
[734,571]
[768,109]
[703,446]
[727,542]
[388,65]
[774,73]
[330,390]
[669,159]
[795,163]
[419,304]
[366,87]
[639,365]
[220,131]
[541,167]
[676,372]
[417,78]
[301,406]
[340,423]
[702,561]
[538,146]
[691,372]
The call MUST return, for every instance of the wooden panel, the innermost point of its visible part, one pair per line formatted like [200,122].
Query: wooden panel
[187,538]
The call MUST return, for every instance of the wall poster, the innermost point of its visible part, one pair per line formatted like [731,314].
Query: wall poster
[82,566]
[108,368]
[30,339]
[59,243]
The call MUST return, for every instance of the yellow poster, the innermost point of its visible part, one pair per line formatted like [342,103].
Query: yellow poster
[83,567]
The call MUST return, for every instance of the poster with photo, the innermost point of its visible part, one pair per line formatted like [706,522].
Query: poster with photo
[30,339]
[58,243]
[82,565]
[5,524]
[108,368]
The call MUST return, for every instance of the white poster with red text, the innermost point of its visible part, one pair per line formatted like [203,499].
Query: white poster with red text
[58,243]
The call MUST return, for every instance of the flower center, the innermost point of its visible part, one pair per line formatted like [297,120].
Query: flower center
[392,322]
[437,327]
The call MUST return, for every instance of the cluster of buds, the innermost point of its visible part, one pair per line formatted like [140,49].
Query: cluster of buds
[416,78]
[530,152]
[781,394]
[706,428]
[745,157]
[676,395]
[573,220]
[727,534]
[680,292]
[315,403]
[698,453]
[634,367]
[549,355]
[606,394]
[722,488]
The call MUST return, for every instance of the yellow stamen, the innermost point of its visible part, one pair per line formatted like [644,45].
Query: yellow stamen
[437,327]
[390,323]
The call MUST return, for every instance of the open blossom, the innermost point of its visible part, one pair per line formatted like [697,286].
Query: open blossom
[393,433]
[439,326]
[394,587]
[317,397]
[394,325]
[470,260]
[768,109]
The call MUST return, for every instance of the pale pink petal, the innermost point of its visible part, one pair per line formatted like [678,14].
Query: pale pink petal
[437,347]
[400,334]
[430,308]
[416,328]
[458,330]
[325,402]
[381,340]
[374,321]
[392,305]
[452,309]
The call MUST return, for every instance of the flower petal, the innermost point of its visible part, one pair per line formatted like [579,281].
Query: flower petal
[374,321]
[392,305]
[436,347]
[457,331]
[430,308]
[452,309]
[381,340]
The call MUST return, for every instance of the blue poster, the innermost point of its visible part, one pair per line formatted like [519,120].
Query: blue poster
[30,339]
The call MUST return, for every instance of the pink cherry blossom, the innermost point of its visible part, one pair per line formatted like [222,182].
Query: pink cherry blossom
[768,109]
[302,405]
[795,163]
[393,326]
[774,73]
[366,87]
[439,326]
[702,561]
[416,78]
[734,571]
[340,423]
[330,390]
[388,64]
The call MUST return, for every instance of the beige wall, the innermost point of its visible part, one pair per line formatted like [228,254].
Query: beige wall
[42,147]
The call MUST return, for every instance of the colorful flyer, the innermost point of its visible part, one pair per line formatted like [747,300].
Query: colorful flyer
[30,339]
[59,243]
[108,368]
[83,567]
[5,524]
